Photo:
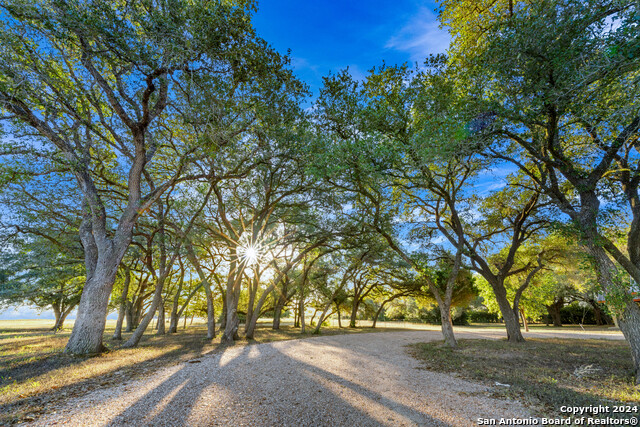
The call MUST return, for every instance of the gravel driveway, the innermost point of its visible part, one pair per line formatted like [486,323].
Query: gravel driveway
[365,379]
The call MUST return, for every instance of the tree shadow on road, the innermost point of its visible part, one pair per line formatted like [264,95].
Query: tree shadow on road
[259,385]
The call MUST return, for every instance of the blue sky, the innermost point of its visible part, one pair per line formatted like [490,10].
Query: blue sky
[327,36]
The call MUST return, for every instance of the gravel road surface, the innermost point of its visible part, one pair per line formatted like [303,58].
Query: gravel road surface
[366,379]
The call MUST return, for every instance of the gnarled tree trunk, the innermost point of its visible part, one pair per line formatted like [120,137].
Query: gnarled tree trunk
[86,337]
[511,322]
[629,315]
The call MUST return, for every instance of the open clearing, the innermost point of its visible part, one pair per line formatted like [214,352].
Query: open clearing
[363,379]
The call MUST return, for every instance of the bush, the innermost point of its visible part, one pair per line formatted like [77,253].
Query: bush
[482,316]
[575,314]
[431,315]
[460,317]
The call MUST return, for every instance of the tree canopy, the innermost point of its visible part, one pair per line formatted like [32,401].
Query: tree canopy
[161,157]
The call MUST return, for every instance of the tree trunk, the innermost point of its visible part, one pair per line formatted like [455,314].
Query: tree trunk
[447,325]
[511,321]
[629,324]
[253,290]
[157,299]
[512,324]
[138,312]
[388,300]
[554,312]
[629,320]
[102,257]
[249,309]
[63,317]
[211,319]
[57,315]
[211,316]
[174,316]
[524,320]
[184,325]
[173,322]
[233,322]
[86,337]
[375,318]
[277,313]
[313,316]
[301,310]
[129,317]
[321,319]
[601,317]
[223,320]
[117,334]
[278,307]
[354,312]
[339,318]
[161,325]
[233,297]
[60,317]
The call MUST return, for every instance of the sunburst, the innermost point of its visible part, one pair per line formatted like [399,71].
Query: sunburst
[250,253]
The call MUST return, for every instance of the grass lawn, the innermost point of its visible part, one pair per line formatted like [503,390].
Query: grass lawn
[545,374]
[35,374]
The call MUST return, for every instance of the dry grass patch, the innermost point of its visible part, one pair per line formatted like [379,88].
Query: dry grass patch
[543,373]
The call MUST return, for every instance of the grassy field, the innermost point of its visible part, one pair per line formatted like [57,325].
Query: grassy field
[545,374]
[35,374]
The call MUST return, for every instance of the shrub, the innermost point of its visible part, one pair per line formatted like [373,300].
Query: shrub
[482,316]
[575,313]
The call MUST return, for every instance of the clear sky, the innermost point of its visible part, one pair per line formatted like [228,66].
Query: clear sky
[328,35]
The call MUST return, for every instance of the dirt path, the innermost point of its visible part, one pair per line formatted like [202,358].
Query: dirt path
[351,380]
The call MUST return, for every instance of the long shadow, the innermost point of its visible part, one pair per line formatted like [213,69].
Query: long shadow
[38,401]
[418,417]
[24,367]
[24,331]
[46,362]
[185,393]
[189,388]
[21,372]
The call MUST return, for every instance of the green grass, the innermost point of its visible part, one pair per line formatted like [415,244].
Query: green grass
[36,375]
[543,373]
